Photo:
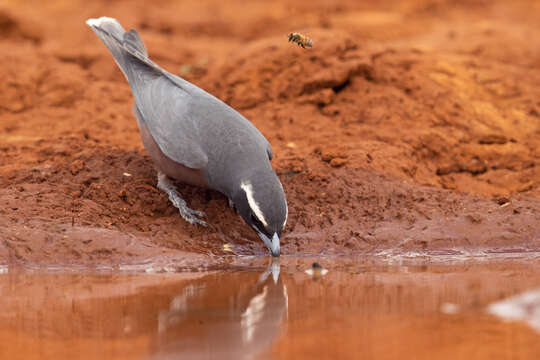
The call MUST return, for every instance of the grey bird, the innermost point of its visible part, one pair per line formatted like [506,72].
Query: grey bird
[196,138]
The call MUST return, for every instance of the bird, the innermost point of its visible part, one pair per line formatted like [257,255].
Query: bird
[195,138]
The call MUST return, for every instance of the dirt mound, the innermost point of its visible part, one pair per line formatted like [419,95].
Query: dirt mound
[14,28]
[97,204]
[405,127]
[462,131]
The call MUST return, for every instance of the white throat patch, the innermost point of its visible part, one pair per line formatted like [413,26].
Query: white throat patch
[248,188]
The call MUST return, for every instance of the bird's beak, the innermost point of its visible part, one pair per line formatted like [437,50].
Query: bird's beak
[271,244]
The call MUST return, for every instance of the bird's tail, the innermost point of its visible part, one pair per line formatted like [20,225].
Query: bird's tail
[122,45]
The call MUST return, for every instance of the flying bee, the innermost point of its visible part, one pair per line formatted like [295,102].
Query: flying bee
[300,39]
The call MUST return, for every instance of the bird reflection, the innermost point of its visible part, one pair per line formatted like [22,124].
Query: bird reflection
[223,316]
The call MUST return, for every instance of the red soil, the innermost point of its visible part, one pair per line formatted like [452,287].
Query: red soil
[406,127]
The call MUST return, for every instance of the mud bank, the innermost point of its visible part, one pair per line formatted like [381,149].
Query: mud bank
[406,128]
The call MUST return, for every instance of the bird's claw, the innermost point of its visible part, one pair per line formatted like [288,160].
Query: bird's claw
[199,213]
[192,216]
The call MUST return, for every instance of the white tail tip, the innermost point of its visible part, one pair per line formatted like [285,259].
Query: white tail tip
[98,22]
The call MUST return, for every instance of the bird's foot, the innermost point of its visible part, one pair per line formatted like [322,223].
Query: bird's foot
[190,215]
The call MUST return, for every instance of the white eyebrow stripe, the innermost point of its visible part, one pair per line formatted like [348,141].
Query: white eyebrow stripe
[248,188]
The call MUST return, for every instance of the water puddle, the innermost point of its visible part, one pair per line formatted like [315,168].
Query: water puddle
[257,309]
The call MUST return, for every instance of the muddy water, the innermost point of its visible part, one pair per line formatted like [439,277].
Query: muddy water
[253,309]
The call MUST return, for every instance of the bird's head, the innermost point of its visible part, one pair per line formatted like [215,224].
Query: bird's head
[260,201]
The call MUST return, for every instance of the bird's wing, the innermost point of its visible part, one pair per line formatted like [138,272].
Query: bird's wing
[206,107]
[163,105]
[173,108]
[166,108]
[174,111]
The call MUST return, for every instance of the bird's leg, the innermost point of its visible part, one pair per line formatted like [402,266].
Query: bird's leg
[190,215]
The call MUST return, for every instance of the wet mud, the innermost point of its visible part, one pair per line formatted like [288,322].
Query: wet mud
[256,310]
[408,127]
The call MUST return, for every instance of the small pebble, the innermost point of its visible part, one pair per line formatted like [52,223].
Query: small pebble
[316,270]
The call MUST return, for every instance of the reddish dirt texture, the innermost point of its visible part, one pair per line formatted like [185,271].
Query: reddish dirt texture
[409,126]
